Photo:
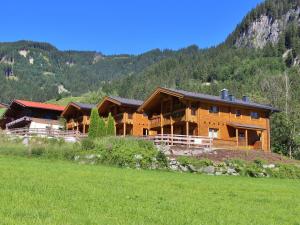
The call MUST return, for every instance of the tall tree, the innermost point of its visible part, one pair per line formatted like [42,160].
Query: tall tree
[101,128]
[94,124]
[110,125]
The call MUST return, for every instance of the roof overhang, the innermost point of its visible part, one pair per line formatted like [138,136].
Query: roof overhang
[69,107]
[156,93]
[245,126]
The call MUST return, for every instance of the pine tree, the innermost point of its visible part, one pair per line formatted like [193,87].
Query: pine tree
[101,132]
[110,125]
[94,124]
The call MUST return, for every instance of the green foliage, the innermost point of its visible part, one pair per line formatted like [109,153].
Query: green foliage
[126,152]
[185,161]
[102,129]
[94,124]
[110,125]
[87,144]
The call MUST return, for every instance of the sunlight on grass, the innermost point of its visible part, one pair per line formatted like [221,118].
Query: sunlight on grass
[36,191]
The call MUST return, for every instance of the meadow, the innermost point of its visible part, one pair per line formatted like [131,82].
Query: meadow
[43,191]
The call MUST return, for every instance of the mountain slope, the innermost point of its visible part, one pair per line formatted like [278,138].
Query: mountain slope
[39,71]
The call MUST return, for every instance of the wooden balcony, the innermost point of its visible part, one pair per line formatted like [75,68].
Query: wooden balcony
[123,118]
[177,116]
[73,123]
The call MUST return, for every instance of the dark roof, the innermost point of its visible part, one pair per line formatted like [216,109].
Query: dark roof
[84,106]
[219,99]
[246,126]
[127,101]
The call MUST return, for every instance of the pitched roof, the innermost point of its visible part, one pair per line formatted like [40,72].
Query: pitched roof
[218,98]
[39,105]
[127,101]
[84,105]
[200,96]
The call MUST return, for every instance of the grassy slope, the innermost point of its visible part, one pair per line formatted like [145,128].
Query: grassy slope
[49,192]
[2,111]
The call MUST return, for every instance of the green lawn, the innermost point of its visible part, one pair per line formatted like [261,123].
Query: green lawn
[36,191]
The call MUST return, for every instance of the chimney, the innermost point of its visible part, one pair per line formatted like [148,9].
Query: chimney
[224,94]
[231,98]
[245,98]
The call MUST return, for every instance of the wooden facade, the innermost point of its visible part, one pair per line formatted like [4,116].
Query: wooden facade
[230,122]
[21,114]
[127,120]
[77,116]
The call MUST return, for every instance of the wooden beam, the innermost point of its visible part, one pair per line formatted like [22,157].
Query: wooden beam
[237,137]
[246,136]
[124,129]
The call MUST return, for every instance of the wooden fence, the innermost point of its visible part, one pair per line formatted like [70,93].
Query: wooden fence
[181,140]
[45,132]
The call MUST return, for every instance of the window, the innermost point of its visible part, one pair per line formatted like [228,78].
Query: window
[214,109]
[130,116]
[238,113]
[254,115]
[213,133]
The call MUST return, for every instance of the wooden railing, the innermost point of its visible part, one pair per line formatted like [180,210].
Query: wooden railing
[181,140]
[44,132]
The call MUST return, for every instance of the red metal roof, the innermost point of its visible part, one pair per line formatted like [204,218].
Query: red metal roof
[40,105]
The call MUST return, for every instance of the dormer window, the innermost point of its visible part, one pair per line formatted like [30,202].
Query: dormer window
[214,109]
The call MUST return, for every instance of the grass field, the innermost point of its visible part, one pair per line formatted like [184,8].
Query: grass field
[38,191]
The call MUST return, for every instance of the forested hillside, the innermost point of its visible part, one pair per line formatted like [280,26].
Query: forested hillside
[39,71]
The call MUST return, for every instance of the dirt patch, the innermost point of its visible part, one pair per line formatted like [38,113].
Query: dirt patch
[222,155]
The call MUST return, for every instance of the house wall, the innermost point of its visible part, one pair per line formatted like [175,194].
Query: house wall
[35,125]
[227,114]
[140,122]
[200,123]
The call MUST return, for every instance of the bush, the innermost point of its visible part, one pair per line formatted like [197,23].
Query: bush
[87,144]
[126,152]
[185,161]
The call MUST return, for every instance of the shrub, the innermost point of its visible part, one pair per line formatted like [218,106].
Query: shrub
[101,132]
[110,125]
[87,144]
[94,123]
[198,163]
[126,152]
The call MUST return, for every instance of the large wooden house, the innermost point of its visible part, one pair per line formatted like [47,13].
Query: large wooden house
[127,120]
[229,121]
[34,115]
[77,116]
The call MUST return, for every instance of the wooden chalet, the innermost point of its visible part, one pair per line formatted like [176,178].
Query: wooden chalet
[34,115]
[77,116]
[127,120]
[230,122]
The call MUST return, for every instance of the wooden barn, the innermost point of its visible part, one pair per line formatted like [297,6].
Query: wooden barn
[34,115]
[229,121]
[77,116]
[127,120]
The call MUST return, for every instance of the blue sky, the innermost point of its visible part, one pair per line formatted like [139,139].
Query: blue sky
[116,26]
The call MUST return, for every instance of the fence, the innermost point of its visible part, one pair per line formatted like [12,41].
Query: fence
[181,140]
[45,132]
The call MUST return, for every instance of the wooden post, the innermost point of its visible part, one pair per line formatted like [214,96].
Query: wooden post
[84,128]
[172,131]
[187,132]
[237,137]
[246,135]
[124,129]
